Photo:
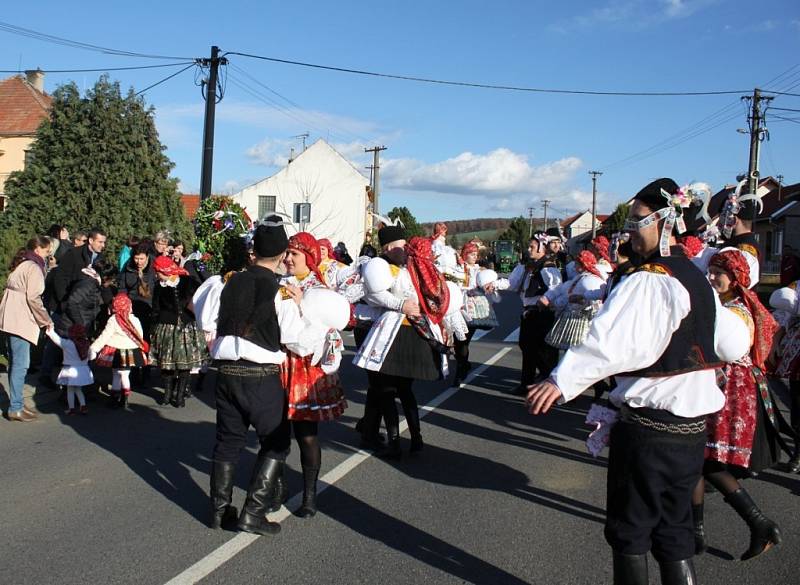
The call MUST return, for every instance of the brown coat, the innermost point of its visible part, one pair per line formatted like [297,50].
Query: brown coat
[22,312]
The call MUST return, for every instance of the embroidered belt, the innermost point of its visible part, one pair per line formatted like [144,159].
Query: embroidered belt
[252,370]
[695,427]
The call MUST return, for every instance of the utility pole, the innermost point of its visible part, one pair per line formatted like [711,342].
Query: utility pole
[545,202]
[780,184]
[375,150]
[208,126]
[757,134]
[530,222]
[594,174]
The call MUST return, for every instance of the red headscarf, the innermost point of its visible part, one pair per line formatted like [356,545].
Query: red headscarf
[77,334]
[122,308]
[692,244]
[439,229]
[468,249]
[326,243]
[167,266]
[429,283]
[600,246]
[735,264]
[588,262]
[309,246]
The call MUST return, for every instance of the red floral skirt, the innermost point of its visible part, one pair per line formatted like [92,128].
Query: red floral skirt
[731,430]
[313,394]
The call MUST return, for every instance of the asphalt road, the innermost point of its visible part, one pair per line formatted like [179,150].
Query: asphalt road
[497,496]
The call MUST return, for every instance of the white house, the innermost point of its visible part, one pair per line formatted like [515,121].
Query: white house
[579,225]
[322,193]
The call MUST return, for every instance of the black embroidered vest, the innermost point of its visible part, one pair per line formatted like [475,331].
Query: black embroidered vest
[692,345]
[247,308]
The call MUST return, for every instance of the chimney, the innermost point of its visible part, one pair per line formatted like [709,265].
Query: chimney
[35,78]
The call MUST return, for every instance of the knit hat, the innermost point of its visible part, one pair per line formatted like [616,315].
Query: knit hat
[270,238]
[391,233]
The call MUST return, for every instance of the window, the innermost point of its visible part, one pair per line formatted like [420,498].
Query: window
[777,241]
[266,205]
[28,158]
[302,213]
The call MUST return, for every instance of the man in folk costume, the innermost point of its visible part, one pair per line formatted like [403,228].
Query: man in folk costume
[661,332]
[405,343]
[544,271]
[252,325]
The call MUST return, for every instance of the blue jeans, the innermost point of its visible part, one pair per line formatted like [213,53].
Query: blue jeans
[20,359]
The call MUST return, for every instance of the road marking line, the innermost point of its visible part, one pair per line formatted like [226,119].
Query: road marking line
[513,336]
[480,333]
[242,540]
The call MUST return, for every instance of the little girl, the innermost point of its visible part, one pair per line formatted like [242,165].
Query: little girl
[121,346]
[75,372]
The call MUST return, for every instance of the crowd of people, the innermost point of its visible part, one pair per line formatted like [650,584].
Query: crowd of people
[663,316]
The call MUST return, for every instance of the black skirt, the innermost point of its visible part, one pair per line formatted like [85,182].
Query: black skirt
[412,357]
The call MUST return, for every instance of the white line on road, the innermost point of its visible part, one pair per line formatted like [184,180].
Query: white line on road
[241,541]
[480,333]
[513,336]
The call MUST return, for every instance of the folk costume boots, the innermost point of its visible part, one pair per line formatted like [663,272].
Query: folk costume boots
[764,533]
[254,513]
[281,492]
[309,507]
[700,543]
[223,514]
[677,572]
[629,569]
[170,380]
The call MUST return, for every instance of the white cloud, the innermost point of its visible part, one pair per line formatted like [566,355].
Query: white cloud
[634,14]
[499,172]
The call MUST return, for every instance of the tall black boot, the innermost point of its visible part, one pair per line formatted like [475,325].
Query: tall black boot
[180,390]
[254,513]
[411,410]
[764,533]
[678,572]
[169,388]
[223,514]
[630,569]
[281,492]
[389,411]
[369,425]
[700,544]
[309,507]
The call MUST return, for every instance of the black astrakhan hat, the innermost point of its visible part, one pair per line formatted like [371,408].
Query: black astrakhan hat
[651,194]
[391,233]
[270,238]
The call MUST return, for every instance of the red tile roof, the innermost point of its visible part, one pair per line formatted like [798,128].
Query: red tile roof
[571,219]
[22,108]
[190,204]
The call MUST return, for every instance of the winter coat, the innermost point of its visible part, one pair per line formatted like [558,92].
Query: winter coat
[22,312]
[82,305]
[171,303]
[69,272]
[130,283]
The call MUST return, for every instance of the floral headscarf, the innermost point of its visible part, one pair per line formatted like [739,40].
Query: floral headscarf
[326,243]
[468,249]
[588,262]
[309,246]
[600,247]
[692,245]
[434,296]
[166,265]
[735,264]
[122,308]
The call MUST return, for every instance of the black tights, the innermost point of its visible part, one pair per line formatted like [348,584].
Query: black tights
[715,474]
[306,434]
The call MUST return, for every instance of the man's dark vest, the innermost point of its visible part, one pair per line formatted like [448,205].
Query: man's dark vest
[247,308]
[536,286]
[692,345]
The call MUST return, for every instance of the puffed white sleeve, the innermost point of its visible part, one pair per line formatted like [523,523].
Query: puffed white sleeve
[551,276]
[594,288]
[293,327]
[785,299]
[731,334]
[558,296]
[630,332]
[104,337]
[516,278]
[377,277]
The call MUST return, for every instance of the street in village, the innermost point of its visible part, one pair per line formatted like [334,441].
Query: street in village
[496,497]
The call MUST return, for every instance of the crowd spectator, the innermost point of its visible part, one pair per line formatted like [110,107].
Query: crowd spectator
[79,239]
[126,251]
[178,252]
[74,261]
[22,315]
[61,234]
[161,243]
[88,295]
[137,280]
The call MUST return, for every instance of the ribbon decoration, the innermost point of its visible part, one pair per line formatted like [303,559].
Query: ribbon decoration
[732,207]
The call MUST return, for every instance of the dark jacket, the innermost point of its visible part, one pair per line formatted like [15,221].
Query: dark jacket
[69,272]
[82,305]
[130,283]
[171,303]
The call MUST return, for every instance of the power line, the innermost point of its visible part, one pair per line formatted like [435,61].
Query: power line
[485,85]
[166,79]
[32,34]
[102,69]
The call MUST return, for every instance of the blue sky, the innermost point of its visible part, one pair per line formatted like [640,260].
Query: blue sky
[452,152]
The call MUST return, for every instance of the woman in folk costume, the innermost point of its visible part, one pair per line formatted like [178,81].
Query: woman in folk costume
[405,343]
[480,290]
[786,302]
[121,346]
[601,248]
[447,260]
[177,344]
[329,266]
[742,437]
[314,391]
[575,302]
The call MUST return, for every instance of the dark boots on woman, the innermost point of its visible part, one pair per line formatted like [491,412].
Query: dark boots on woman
[677,572]
[281,492]
[262,484]
[309,507]
[764,533]
[630,569]
[169,389]
[700,543]
[223,514]
[180,390]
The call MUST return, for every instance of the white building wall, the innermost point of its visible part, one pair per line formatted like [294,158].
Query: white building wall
[334,188]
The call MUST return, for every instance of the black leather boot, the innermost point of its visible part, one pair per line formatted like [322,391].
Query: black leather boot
[253,517]
[281,492]
[180,390]
[700,544]
[169,389]
[223,514]
[123,399]
[630,569]
[764,533]
[678,572]
[309,507]
[412,418]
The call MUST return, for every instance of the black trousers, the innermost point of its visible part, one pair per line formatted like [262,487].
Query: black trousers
[536,354]
[257,401]
[651,475]
[462,349]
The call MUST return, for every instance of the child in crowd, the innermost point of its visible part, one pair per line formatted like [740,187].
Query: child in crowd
[75,371]
[121,346]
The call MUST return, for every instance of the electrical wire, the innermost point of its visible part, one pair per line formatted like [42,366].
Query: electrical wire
[486,85]
[149,87]
[32,34]
[103,69]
